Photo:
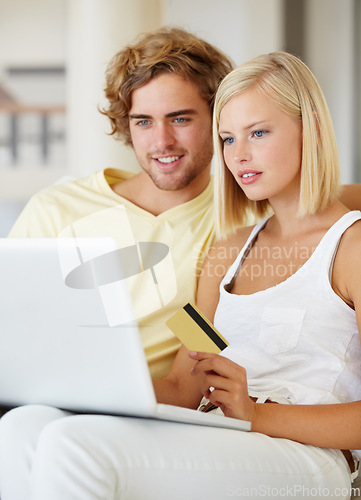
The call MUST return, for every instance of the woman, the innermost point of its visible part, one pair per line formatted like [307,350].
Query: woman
[285,294]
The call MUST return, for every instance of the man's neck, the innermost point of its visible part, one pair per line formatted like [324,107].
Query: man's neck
[141,191]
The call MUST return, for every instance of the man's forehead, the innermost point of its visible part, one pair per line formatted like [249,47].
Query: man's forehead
[166,95]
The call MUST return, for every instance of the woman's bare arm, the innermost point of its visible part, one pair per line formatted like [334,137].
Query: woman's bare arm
[180,387]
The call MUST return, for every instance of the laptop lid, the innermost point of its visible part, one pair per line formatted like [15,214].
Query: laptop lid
[56,346]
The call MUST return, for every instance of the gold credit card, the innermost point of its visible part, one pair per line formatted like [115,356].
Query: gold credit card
[195,331]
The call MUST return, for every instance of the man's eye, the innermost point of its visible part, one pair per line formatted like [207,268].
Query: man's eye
[180,119]
[143,123]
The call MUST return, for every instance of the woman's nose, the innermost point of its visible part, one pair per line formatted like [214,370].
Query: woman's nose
[241,151]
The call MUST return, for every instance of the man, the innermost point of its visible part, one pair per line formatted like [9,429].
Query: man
[160,91]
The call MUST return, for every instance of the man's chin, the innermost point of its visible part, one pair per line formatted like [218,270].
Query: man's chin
[170,181]
[171,185]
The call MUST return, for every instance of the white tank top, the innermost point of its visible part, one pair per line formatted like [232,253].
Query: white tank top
[298,340]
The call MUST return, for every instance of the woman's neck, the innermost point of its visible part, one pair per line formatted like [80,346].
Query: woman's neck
[287,223]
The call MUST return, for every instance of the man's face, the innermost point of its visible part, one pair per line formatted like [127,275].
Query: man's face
[170,126]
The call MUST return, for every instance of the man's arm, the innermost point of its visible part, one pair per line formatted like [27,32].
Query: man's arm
[34,221]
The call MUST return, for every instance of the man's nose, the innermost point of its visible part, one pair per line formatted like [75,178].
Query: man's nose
[164,136]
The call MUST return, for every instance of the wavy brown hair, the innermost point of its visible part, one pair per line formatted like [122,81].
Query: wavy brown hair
[166,50]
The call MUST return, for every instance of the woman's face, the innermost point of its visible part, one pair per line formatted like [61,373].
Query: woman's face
[262,146]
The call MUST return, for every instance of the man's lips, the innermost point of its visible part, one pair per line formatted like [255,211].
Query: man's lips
[167,162]
[167,159]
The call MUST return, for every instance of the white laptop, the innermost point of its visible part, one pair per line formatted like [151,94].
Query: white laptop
[56,345]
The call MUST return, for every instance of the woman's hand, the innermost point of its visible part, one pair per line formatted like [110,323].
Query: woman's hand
[229,381]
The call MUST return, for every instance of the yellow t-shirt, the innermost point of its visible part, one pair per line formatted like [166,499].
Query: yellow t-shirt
[89,207]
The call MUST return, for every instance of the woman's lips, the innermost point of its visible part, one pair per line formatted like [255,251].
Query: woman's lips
[248,176]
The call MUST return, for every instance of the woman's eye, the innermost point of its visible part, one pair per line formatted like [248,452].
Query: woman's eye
[228,140]
[259,133]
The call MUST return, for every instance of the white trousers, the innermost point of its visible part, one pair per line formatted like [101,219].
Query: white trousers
[47,454]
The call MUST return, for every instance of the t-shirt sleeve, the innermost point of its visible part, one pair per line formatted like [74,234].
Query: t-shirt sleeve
[34,221]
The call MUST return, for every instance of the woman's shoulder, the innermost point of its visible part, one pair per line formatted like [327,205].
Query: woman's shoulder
[351,238]
[229,247]
[219,259]
[346,273]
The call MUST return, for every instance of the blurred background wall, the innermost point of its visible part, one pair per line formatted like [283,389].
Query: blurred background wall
[54,53]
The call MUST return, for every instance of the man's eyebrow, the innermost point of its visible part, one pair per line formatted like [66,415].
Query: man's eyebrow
[180,112]
[135,116]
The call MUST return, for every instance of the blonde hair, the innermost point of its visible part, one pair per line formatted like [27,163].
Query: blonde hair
[290,84]
[166,50]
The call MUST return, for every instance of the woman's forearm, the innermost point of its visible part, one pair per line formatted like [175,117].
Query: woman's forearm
[327,426]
